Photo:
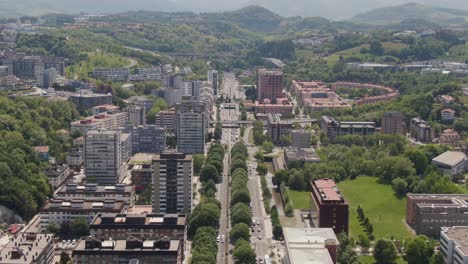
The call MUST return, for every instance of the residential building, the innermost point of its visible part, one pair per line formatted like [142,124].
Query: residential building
[126,146]
[301,138]
[172,183]
[192,126]
[45,78]
[95,192]
[141,101]
[112,74]
[75,158]
[61,211]
[446,99]
[136,115]
[269,84]
[454,244]
[28,248]
[298,157]
[428,213]
[140,226]
[167,120]
[447,115]
[335,129]
[141,170]
[449,137]
[316,96]
[278,128]
[389,93]
[25,66]
[148,139]
[42,152]
[108,121]
[282,106]
[57,174]
[172,96]
[421,130]
[310,246]
[86,101]
[214,80]
[393,123]
[103,157]
[95,251]
[110,109]
[332,208]
[451,162]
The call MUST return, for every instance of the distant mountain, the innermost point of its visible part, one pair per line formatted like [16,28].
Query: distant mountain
[412,11]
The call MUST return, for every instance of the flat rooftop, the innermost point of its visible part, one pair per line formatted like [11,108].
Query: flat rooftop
[120,246]
[307,245]
[459,234]
[302,154]
[27,245]
[142,158]
[328,190]
[451,158]
[139,219]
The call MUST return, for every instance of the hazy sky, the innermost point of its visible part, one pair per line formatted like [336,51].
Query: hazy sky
[336,9]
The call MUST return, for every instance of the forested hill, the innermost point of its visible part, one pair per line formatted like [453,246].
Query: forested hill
[25,123]
[397,14]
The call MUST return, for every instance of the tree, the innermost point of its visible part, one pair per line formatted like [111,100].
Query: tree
[285,140]
[262,169]
[198,160]
[64,258]
[400,187]
[280,177]
[240,231]
[259,156]
[419,160]
[296,182]
[376,48]
[218,133]
[364,242]
[345,253]
[267,146]
[210,185]
[80,227]
[53,228]
[240,213]
[209,172]
[419,250]
[385,252]
[243,253]
[240,196]
[437,258]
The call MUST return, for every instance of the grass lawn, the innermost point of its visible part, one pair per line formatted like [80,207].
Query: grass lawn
[384,210]
[371,260]
[301,200]
[356,51]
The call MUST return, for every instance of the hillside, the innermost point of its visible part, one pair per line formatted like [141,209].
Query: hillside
[412,11]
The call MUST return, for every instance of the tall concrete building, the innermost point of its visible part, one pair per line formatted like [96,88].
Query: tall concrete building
[421,130]
[192,126]
[148,139]
[334,129]
[214,80]
[167,120]
[393,123]
[103,157]
[172,183]
[136,115]
[269,84]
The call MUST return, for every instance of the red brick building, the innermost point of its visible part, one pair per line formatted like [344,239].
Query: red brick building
[269,84]
[330,205]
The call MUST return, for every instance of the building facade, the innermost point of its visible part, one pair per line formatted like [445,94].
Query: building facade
[332,209]
[335,129]
[95,251]
[192,126]
[393,123]
[87,101]
[454,244]
[421,130]
[93,192]
[214,80]
[428,213]
[451,162]
[167,120]
[148,139]
[269,84]
[136,115]
[172,183]
[277,128]
[103,157]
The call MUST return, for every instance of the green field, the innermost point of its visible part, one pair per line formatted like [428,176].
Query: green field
[384,210]
[301,200]
[356,52]
[371,260]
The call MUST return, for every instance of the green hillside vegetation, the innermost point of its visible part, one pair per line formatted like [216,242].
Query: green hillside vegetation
[396,14]
[356,53]
[25,123]
[385,211]
[96,60]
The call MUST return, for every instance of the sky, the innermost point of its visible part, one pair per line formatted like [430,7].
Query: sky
[334,9]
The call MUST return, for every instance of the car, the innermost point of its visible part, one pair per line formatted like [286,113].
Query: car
[259,230]
[259,237]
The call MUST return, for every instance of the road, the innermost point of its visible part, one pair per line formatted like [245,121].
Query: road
[229,138]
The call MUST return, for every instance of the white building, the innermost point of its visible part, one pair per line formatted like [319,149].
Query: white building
[454,244]
[451,162]
[447,115]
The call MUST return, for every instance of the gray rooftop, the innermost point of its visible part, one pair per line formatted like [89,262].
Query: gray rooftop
[451,158]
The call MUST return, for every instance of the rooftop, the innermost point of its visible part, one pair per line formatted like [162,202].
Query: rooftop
[139,219]
[67,205]
[141,158]
[307,245]
[459,234]
[328,190]
[129,246]
[451,158]
[301,154]
[25,247]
